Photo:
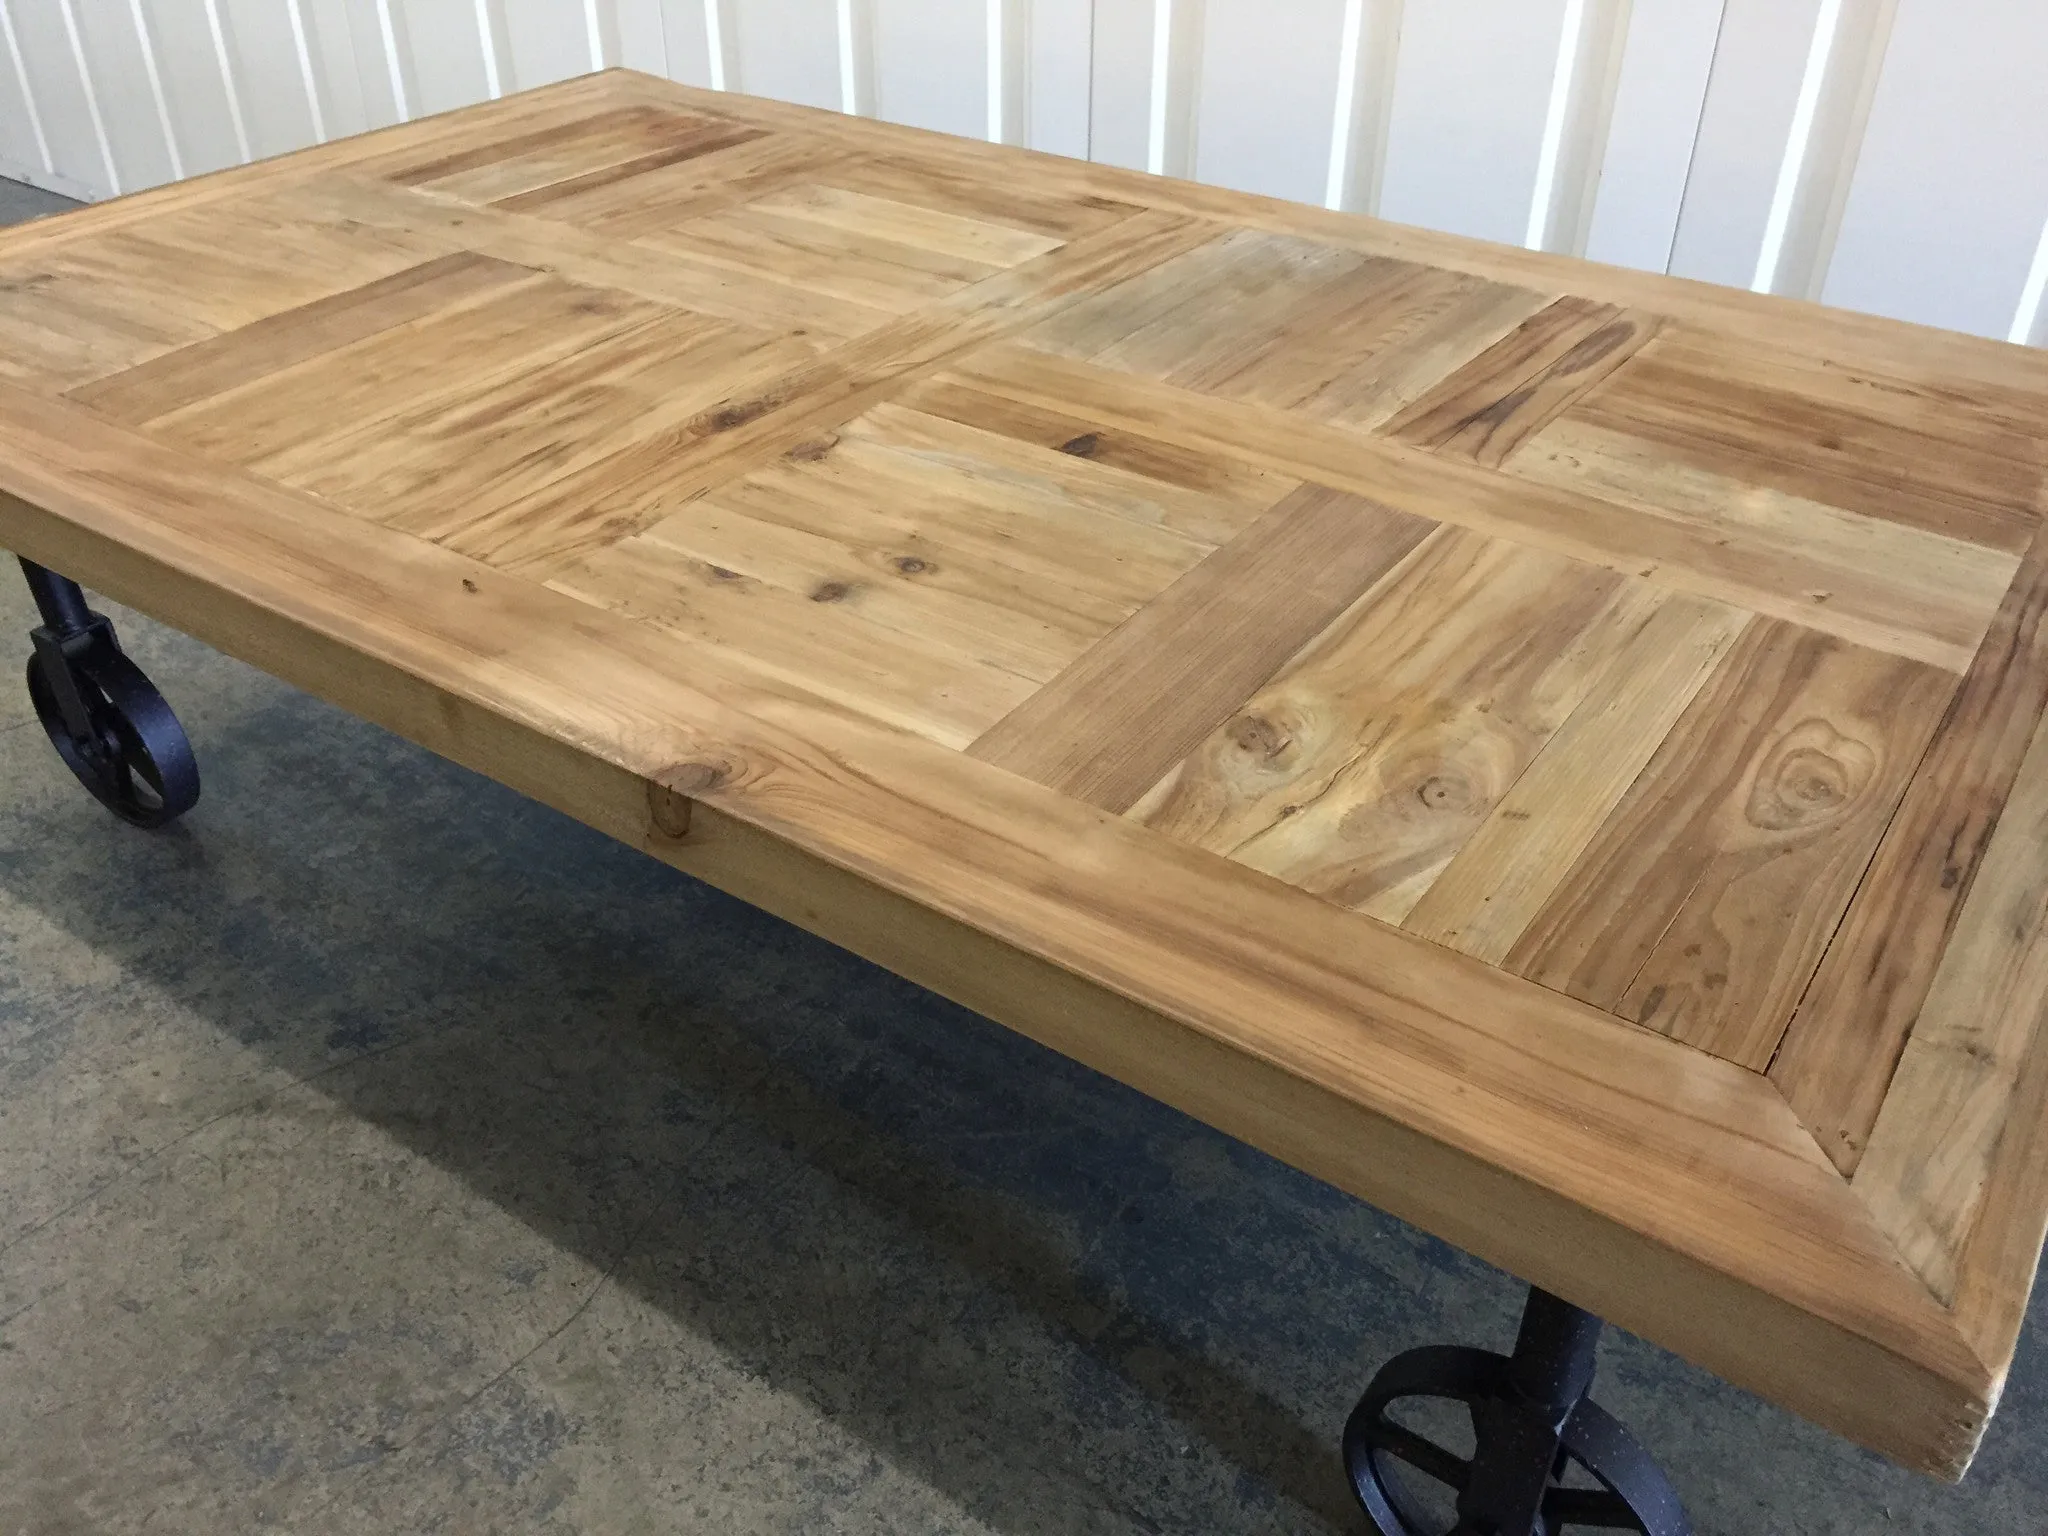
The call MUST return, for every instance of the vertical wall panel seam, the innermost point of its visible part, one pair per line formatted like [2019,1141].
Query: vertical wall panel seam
[2026,320]
[1699,128]
[156,87]
[28,95]
[854,23]
[226,66]
[1591,130]
[1842,172]
[487,46]
[849,92]
[308,77]
[1564,75]
[1171,126]
[1827,25]
[993,57]
[387,31]
[1350,59]
[1161,81]
[1381,40]
[718,48]
[92,96]
[1088,137]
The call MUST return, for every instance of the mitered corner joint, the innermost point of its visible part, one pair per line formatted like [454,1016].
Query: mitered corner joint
[104,717]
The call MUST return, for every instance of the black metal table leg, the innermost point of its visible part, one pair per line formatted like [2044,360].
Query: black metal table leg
[1532,1423]
[106,720]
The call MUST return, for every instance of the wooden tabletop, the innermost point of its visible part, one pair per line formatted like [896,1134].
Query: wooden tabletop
[1552,750]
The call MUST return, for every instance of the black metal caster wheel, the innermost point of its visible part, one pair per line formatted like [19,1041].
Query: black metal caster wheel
[1532,1425]
[104,717]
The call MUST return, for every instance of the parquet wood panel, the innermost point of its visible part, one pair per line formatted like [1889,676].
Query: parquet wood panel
[1556,751]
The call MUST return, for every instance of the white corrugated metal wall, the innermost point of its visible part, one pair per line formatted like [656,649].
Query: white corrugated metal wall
[1888,155]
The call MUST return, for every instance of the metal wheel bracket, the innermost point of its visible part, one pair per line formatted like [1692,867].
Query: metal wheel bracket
[105,719]
[1532,1425]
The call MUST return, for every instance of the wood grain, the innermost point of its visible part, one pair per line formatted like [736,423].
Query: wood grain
[664,277]
[1490,407]
[1811,446]
[686,144]
[901,576]
[1703,905]
[1926,1170]
[1720,551]
[903,676]
[298,335]
[91,308]
[753,426]
[1225,639]
[1059,560]
[718,179]
[1372,345]
[1522,851]
[1843,1047]
[1111,724]
[1360,770]
[1933,595]
[304,407]
[1752,321]
[1359,1051]
[1217,475]
[562,151]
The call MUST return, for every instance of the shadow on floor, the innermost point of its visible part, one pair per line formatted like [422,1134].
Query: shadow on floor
[1057,1305]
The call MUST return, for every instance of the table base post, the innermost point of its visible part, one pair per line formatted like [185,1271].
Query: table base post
[104,717]
[1532,1425]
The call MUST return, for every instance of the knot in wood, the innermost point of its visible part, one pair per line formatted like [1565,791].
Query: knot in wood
[695,778]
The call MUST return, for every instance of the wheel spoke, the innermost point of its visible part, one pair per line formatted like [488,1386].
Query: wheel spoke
[1589,1508]
[1424,1455]
[131,752]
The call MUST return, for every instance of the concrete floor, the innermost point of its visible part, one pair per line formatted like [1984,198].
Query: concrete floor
[381,1152]
[20,202]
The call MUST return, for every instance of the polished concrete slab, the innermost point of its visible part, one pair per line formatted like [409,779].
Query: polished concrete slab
[382,1152]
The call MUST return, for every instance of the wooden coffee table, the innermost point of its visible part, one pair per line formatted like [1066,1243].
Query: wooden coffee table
[1554,751]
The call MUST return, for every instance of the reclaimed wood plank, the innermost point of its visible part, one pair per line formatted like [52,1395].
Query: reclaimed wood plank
[631,490]
[683,145]
[1489,408]
[1927,1168]
[1110,725]
[1215,475]
[1053,559]
[1360,770]
[299,408]
[1844,1045]
[908,678]
[670,195]
[1706,900]
[1935,594]
[1522,852]
[255,351]
[665,277]
[1709,552]
[892,576]
[1814,448]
